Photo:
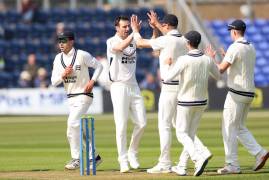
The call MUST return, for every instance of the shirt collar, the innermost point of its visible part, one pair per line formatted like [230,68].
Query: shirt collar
[70,53]
[173,31]
[118,37]
[195,51]
[242,39]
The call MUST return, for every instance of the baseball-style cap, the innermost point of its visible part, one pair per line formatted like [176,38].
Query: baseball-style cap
[66,35]
[170,19]
[193,37]
[237,25]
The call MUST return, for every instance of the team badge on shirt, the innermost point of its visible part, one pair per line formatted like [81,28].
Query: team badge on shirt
[78,67]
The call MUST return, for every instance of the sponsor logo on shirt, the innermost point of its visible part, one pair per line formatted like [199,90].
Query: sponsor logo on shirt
[70,79]
[128,60]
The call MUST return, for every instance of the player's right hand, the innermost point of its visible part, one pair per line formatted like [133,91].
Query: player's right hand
[153,18]
[209,51]
[168,61]
[68,71]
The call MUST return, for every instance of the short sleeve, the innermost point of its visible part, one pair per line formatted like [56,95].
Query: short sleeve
[231,54]
[158,43]
[111,43]
[89,60]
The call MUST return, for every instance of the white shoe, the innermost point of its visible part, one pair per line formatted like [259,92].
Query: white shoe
[159,169]
[179,170]
[261,159]
[133,161]
[134,164]
[124,168]
[200,166]
[72,164]
[207,154]
[229,169]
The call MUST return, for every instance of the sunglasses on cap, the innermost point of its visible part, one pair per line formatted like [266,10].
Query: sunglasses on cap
[63,40]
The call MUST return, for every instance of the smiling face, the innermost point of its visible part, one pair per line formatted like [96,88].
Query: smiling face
[123,28]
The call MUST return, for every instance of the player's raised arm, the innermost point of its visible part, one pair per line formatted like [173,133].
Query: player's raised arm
[136,26]
[154,23]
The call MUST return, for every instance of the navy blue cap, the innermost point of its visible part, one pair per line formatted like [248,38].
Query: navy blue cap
[170,19]
[66,34]
[193,37]
[237,25]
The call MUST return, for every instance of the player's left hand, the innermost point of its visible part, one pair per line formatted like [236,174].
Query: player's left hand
[135,23]
[89,86]
[153,18]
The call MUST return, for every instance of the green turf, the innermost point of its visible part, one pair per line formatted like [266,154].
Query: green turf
[38,144]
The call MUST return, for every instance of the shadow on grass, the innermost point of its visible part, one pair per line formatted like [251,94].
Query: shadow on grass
[41,170]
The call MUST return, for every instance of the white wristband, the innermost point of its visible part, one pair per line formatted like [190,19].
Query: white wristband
[137,36]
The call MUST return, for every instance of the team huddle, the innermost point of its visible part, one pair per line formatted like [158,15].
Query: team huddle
[184,70]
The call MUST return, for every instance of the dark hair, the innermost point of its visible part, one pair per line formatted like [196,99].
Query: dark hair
[241,32]
[121,17]
[194,38]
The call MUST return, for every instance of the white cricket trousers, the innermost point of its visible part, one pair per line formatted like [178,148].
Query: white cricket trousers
[78,106]
[234,129]
[188,118]
[166,113]
[127,98]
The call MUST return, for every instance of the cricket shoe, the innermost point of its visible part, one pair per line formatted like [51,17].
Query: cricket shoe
[159,169]
[207,154]
[261,159]
[72,164]
[98,161]
[133,161]
[179,170]
[124,168]
[229,169]
[200,166]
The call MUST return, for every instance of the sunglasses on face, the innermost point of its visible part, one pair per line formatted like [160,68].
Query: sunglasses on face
[63,40]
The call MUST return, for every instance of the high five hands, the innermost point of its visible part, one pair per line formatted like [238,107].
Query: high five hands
[153,19]
[135,23]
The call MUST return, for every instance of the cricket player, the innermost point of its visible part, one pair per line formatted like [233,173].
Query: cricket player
[192,71]
[171,44]
[239,61]
[125,93]
[70,67]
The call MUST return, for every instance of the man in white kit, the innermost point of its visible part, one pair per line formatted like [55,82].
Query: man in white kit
[173,45]
[192,71]
[239,61]
[125,93]
[70,67]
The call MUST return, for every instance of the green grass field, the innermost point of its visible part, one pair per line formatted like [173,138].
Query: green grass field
[35,147]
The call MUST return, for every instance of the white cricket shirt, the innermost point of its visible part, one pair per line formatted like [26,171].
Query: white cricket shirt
[81,61]
[192,71]
[122,65]
[171,45]
[240,75]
